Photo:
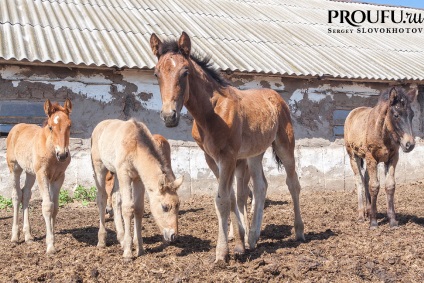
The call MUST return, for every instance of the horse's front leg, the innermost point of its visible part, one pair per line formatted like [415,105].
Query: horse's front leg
[260,186]
[16,200]
[55,190]
[127,210]
[47,209]
[390,189]
[223,205]
[374,187]
[26,196]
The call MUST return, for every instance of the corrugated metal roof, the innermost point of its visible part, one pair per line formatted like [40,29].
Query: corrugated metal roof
[282,37]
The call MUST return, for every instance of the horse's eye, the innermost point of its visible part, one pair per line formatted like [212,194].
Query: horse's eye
[396,115]
[156,75]
[50,128]
[184,74]
[165,208]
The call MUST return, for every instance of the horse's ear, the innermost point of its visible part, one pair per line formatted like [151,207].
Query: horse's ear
[393,95]
[177,183]
[48,109]
[184,44]
[155,44]
[68,105]
[412,94]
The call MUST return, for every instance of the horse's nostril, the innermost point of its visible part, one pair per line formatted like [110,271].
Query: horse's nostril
[66,154]
[407,145]
[174,114]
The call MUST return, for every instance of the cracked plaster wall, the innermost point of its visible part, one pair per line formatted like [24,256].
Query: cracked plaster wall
[103,94]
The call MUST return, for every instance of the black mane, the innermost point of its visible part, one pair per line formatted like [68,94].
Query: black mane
[385,95]
[171,45]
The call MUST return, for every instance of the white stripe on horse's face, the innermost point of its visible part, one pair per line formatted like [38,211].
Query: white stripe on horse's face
[173,62]
[56,119]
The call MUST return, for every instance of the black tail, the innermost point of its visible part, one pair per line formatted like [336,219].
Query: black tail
[277,159]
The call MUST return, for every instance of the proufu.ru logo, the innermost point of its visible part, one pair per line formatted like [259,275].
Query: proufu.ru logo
[358,19]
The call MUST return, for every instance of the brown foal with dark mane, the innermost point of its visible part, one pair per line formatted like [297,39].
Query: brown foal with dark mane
[232,127]
[375,134]
[43,154]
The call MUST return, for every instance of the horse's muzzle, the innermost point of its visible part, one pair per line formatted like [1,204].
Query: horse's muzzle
[169,235]
[62,156]
[171,118]
[408,146]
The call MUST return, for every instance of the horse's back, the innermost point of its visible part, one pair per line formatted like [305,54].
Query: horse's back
[113,140]
[264,114]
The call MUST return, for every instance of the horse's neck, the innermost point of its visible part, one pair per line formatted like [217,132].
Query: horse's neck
[378,117]
[44,133]
[147,167]
[202,91]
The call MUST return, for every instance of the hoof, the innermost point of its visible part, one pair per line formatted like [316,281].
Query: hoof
[373,225]
[300,238]
[128,255]
[394,224]
[222,257]
[252,240]
[239,249]
[29,239]
[51,250]
[220,263]
[139,252]
[127,259]
[14,240]
[101,245]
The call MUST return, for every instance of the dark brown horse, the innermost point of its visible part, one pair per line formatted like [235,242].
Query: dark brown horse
[43,154]
[233,128]
[375,134]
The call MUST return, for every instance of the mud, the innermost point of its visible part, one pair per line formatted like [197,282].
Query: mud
[337,247]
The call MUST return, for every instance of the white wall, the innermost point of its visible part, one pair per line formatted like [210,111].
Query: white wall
[318,167]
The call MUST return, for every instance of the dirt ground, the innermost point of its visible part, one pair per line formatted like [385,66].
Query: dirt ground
[337,247]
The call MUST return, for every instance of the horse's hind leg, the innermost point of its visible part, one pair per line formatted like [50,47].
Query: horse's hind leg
[117,210]
[284,149]
[16,200]
[109,188]
[138,194]
[259,191]
[127,210]
[390,189]
[242,177]
[366,184]
[355,163]
[26,196]
[100,179]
